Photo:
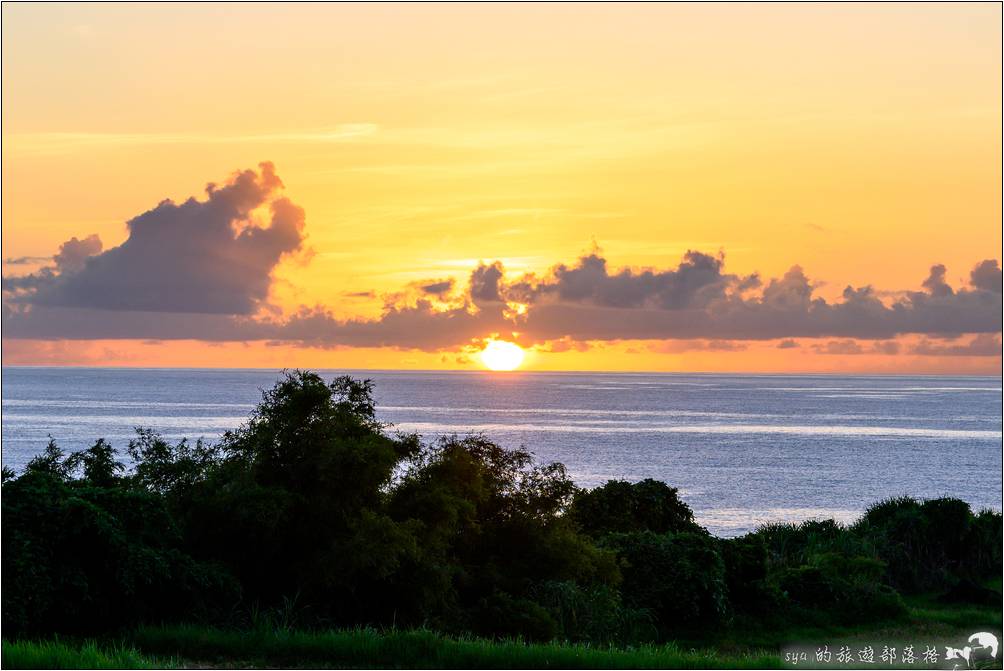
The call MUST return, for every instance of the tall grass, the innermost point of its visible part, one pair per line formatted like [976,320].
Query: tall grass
[421,649]
[59,655]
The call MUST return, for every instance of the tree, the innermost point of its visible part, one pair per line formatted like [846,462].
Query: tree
[621,507]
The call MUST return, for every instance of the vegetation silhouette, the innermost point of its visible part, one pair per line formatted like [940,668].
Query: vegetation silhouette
[316,514]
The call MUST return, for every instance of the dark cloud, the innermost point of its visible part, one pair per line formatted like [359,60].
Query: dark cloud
[25,260]
[73,254]
[851,347]
[202,270]
[935,282]
[843,347]
[695,282]
[984,344]
[71,258]
[437,288]
[987,276]
[581,302]
[677,346]
[15,287]
[205,256]
[886,347]
[485,283]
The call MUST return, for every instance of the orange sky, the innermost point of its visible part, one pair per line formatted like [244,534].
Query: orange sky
[861,142]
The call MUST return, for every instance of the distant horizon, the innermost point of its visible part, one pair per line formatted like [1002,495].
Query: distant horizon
[508,373]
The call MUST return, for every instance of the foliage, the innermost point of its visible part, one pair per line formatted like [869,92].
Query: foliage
[930,545]
[680,577]
[623,507]
[594,614]
[847,588]
[312,514]
[95,552]
[750,590]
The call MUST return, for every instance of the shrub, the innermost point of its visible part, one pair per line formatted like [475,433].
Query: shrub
[92,555]
[982,545]
[746,576]
[594,614]
[846,588]
[931,545]
[503,616]
[623,507]
[679,578]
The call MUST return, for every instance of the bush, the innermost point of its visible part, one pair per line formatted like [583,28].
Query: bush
[503,616]
[931,545]
[679,578]
[93,555]
[982,546]
[848,589]
[746,576]
[623,507]
[594,614]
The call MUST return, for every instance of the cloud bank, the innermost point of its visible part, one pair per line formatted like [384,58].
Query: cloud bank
[202,270]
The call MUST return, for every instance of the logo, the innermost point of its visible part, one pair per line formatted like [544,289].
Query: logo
[983,645]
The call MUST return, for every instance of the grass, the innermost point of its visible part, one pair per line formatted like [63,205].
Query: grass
[63,655]
[748,648]
[927,619]
[422,649]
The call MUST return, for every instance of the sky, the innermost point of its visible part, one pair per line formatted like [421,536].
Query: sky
[666,187]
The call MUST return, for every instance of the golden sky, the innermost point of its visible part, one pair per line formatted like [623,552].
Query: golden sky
[861,142]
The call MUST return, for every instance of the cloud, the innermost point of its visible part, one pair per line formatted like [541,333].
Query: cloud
[677,346]
[207,256]
[935,282]
[843,347]
[987,276]
[563,345]
[852,347]
[485,283]
[984,344]
[73,254]
[886,347]
[437,288]
[579,302]
[25,260]
[59,143]
[696,282]
[203,269]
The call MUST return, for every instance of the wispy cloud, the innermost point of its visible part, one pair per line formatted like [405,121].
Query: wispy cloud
[68,142]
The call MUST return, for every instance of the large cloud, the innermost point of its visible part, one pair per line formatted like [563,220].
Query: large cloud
[203,269]
[202,256]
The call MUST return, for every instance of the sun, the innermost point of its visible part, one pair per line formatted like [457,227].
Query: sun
[501,355]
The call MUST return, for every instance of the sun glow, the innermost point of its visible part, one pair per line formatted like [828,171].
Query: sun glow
[501,355]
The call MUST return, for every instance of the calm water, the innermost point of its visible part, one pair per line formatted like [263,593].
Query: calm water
[742,449]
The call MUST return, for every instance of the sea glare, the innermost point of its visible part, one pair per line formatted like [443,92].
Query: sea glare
[742,449]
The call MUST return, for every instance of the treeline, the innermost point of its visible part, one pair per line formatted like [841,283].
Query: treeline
[313,514]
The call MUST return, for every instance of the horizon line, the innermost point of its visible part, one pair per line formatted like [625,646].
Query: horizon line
[511,373]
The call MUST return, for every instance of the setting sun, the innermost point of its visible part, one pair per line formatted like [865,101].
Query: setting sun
[501,355]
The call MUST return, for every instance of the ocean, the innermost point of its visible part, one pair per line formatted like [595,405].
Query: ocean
[742,449]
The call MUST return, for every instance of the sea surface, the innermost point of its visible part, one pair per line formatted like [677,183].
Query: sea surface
[742,449]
